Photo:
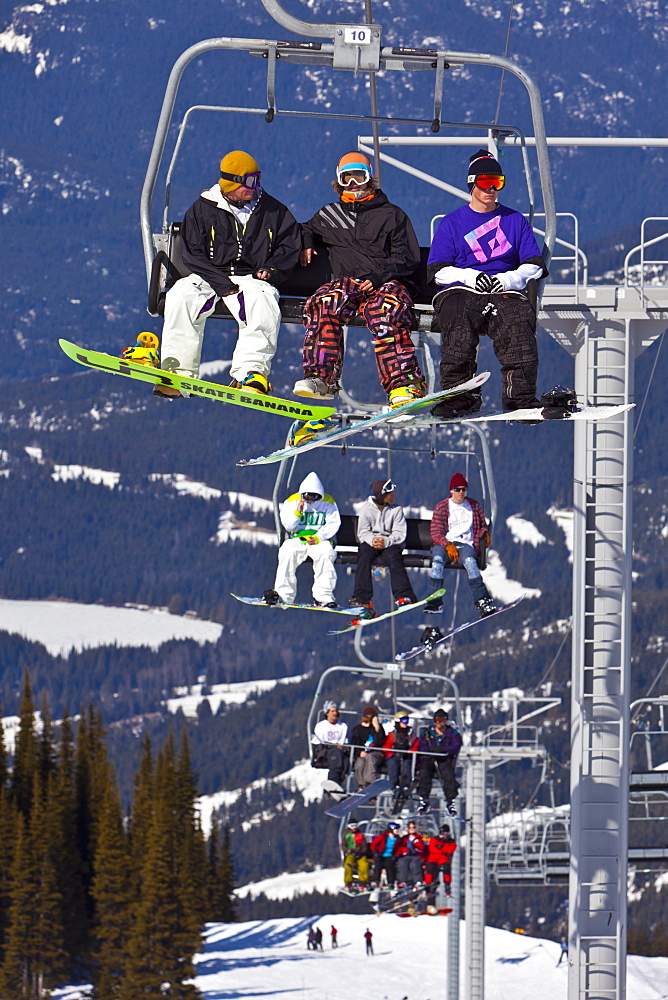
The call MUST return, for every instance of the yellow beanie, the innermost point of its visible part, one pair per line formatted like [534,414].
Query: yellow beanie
[239,163]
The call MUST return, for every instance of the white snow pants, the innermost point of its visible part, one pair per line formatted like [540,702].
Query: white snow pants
[190,302]
[292,553]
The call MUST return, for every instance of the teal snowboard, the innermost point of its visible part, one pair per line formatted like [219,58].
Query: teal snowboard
[259,602]
[196,387]
[397,611]
[400,416]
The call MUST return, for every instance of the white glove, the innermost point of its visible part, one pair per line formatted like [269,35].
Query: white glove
[516,281]
[451,275]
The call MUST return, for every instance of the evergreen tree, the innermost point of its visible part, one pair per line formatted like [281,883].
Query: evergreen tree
[140,816]
[112,893]
[226,879]
[34,957]
[8,826]
[26,752]
[70,871]
[166,926]
[220,881]
[45,750]
[155,948]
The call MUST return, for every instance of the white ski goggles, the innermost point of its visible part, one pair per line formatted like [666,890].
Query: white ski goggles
[353,173]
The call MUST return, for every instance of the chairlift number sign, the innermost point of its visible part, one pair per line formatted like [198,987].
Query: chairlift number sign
[357,36]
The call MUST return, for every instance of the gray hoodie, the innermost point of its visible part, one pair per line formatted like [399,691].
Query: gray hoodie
[386,520]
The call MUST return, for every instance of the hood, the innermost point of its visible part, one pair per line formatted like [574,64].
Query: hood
[217,198]
[312,484]
[215,195]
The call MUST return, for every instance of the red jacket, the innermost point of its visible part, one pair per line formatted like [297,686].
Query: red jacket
[439,523]
[378,844]
[440,851]
[388,745]
[419,844]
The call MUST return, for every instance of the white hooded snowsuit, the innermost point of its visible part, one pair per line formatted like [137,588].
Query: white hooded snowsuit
[320,519]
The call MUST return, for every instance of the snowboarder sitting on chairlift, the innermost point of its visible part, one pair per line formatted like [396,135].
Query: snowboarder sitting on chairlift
[483,255]
[239,243]
[311,519]
[373,250]
[458,531]
[443,739]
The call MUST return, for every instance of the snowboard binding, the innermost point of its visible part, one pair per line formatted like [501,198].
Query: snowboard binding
[559,403]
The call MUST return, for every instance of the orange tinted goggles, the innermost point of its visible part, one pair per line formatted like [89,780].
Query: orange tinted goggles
[491,181]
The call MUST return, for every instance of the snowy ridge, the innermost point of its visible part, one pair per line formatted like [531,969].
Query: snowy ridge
[188,699]
[63,626]
[301,779]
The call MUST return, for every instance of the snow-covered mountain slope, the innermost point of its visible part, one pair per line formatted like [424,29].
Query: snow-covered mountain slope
[269,958]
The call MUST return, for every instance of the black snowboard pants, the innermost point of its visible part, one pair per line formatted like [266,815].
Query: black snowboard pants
[444,768]
[391,557]
[510,323]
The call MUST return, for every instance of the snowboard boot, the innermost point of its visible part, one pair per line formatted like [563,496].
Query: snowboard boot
[466,404]
[325,604]
[434,607]
[406,393]
[316,388]
[431,636]
[486,606]
[402,602]
[423,807]
[558,403]
[310,430]
[271,597]
[253,382]
[367,613]
[145,351]
[452,809]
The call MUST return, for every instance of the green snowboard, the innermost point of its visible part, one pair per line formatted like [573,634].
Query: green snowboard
[397,611]
[195,386]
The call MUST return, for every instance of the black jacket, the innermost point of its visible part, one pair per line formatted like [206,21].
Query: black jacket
[216,246]
[367,239]
[360,734]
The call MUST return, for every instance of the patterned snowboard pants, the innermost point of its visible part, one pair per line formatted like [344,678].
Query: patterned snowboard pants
[510,323]
[387,312]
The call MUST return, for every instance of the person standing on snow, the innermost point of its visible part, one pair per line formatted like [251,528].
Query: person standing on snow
[368,937]
[373,250]
[311,520]
[239,243]
[483,255]
[459,531]
[381,533]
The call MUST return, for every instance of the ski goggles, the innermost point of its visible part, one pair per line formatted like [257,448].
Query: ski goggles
[488,182]
[388,487]
[246,180]
[353,173]
[310,498]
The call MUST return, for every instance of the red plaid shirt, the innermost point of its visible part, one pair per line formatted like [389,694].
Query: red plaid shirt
[439,523]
